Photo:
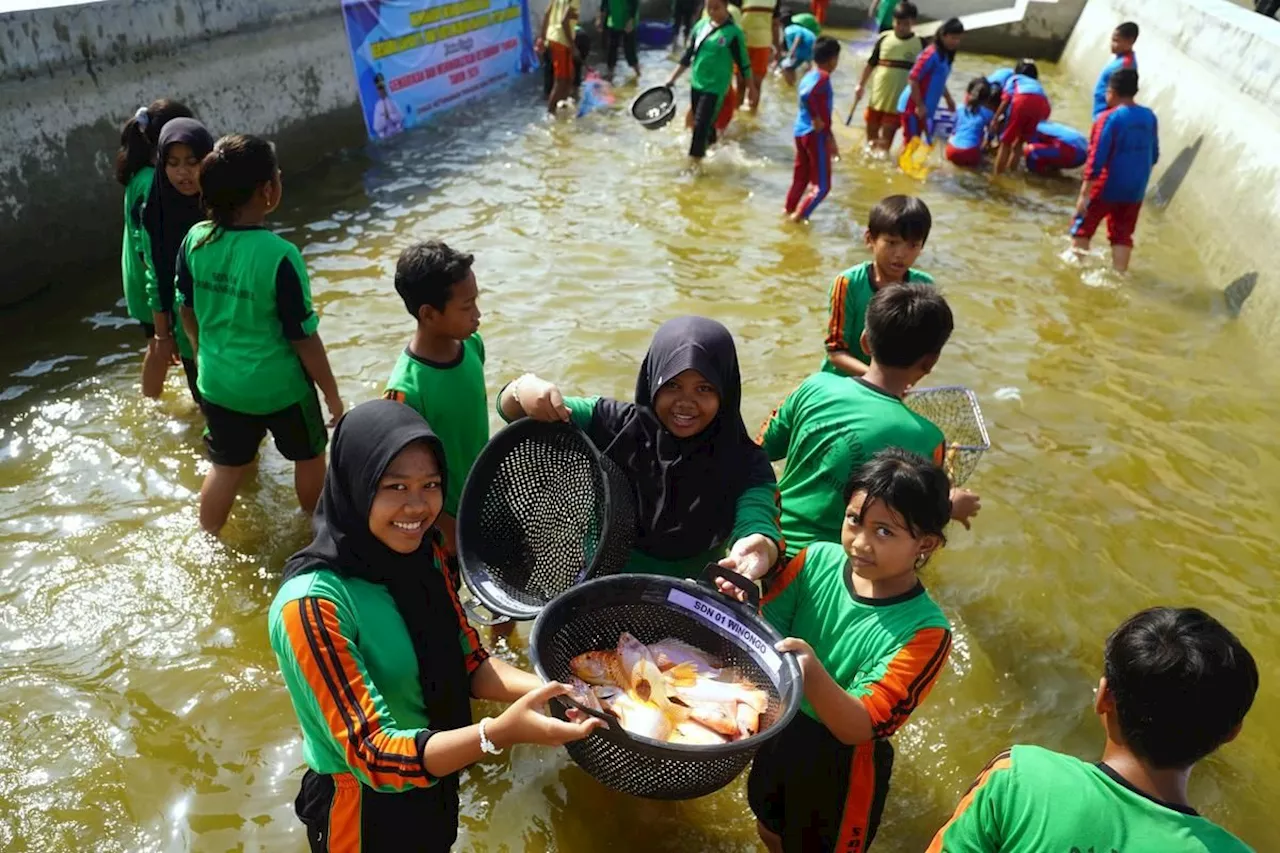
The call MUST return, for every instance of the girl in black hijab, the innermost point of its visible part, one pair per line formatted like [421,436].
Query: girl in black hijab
[378,657]
[172,208]
[701,484]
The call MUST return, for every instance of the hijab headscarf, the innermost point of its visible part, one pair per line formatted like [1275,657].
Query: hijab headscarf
[686,489]
[169,214]
[366,440]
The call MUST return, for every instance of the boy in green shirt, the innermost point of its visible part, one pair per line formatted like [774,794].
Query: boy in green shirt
[716,53]
[832,424]
[1176,685]
[897,230]
[618,19]
[870,643]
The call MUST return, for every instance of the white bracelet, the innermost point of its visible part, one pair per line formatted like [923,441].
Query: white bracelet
[486,745]
[515,388]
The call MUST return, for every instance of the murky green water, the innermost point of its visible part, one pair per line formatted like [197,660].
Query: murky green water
[1135,462]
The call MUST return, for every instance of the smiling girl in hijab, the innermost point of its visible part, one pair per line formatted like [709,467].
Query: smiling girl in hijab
[172,208]
[701,484]
[378,658]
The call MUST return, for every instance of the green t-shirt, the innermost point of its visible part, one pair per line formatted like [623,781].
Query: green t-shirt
[621,13]
[826,429]
[884,14]
[369,720]
[1030,799]
[850,295]
[251,297]
[451,398]
[887,652]
[134,247]
[755,511]
[712,53]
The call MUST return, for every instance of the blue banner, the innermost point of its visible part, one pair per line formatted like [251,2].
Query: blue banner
[414,57]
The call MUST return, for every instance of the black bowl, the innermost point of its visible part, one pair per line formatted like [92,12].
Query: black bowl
[654,108]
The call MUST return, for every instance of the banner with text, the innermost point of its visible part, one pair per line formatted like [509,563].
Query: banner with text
[413,57]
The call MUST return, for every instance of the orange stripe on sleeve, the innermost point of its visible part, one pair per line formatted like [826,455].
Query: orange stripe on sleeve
[344,815]
[392,394]
[764,427]
[940,454]
[333,670]
[1003,761]
[472,648]
[785,577]
[907,680]
[835,326]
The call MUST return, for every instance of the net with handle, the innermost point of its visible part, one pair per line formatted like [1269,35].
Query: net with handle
[954,410]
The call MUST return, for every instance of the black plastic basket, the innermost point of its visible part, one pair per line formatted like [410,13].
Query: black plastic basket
[652,608]
[542,510]
[654,107]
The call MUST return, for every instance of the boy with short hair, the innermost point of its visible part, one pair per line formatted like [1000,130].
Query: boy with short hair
[1123,149]
[897,230]
[832,424]
[815,144]
[1122,41]
[887,69]
[440,374]
[1024,105]
[1176,685]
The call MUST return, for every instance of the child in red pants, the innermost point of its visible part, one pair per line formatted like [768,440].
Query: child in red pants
[815,146]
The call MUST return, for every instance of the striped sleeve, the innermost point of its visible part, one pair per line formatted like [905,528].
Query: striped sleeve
[975,826]
[907,679]
[782,595]
[383,756]
[775,432]
[836,333]
[473,651]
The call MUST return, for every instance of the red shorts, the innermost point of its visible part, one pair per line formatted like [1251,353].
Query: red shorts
[1025,113]
[561,60]
[880,116]
[1121,216]
[759,57]
[727,108]
[964,156]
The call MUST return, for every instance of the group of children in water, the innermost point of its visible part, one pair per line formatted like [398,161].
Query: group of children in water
[376,651]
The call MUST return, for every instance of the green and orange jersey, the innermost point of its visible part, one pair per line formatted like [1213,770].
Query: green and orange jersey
[850,295]
[886,652]
[1031,799]
[826,429]
[352,675]
[135,247]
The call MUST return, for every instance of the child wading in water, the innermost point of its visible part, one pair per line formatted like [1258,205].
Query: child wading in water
[927,82]
[815,145]
[891,60]
[870,642]
[135,171]
[716,46]
[246,305]
[973,126]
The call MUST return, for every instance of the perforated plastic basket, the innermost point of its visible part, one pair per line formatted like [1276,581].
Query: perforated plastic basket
[652,608]
[955,411]
[542,510]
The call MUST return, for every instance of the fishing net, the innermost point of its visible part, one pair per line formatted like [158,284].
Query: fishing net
[955,411]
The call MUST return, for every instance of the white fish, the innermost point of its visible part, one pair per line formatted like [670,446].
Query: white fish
[671,652]
[583,694]
[694,733]
[642,718]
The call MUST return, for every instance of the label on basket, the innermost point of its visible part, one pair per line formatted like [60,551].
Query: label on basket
[727,624]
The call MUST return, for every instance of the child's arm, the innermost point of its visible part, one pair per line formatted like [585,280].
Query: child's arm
[951,102]
[872,62]
[1099,155]
[685,61]
[838,352]
[531,396]
[783,594]
[886,704]
[977,825]
[300,324]
[184,297]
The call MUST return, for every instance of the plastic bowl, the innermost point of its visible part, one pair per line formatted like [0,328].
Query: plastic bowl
[654,108]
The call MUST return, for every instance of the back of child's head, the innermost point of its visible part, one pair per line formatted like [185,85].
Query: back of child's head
[1128,31]
[1027,68]
[906,11]
[907,322]
[1181,683]
[913,487]
[902,216]
[141,134]
[1124,82]
[427,272]
[825,49]
[977,94]
[232,172]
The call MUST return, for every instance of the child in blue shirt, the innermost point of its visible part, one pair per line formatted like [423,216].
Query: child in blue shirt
[798,42]
[1023,106]
[1054,147]
[1122,41]
[815,146]
[1122,152]
[973,124]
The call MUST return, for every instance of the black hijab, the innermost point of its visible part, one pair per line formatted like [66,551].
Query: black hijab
[686,489]
[169,214]
[366,440]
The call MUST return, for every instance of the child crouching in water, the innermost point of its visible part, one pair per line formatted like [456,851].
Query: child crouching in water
[973,125]
[815,145]
[246,305]
[870,642]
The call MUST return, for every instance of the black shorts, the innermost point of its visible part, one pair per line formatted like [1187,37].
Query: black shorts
[815,792]
[232,438]
[357,818]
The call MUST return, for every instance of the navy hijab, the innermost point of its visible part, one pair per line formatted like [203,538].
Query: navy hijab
[365,442]
[169,214]
[686,489]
